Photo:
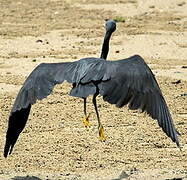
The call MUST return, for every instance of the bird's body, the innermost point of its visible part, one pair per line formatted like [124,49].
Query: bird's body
[127,81]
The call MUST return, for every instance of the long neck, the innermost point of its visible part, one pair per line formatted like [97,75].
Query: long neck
[105,47]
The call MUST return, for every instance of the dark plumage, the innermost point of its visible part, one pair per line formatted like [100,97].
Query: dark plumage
[128,81]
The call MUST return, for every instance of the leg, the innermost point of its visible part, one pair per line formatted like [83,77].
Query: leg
[100,126]
[85,120]
[85,107]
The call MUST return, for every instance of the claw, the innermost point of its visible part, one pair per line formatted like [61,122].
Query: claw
[86,122]
[101,134]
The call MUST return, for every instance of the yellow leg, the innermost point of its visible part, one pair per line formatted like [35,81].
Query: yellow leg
[101,133]
[85,121]
[100,126]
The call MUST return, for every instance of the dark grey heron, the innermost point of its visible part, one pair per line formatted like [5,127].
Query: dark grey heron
[110,27]
[121,82]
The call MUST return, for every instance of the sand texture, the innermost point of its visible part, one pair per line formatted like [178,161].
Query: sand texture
[55,144]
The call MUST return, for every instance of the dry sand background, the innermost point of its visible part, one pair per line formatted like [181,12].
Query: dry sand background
[55,145]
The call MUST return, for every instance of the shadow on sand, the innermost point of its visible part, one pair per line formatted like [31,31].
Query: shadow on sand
[125,175]
[25,178]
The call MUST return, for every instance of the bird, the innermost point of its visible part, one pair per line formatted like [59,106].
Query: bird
[122,82]
[110,27]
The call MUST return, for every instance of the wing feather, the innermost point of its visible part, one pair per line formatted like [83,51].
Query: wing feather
[132,82]
[122,82]
[37,86]
[40,84]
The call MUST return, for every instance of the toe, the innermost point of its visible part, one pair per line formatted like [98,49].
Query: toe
[101,134]
[86,122]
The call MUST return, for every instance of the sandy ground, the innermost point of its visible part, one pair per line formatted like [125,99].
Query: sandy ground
[55,145]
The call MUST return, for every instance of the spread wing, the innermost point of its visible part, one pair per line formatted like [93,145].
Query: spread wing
[119,82]
[132,82]
[40,84]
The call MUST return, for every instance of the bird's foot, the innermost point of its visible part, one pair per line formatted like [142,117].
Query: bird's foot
[86,122]
[101,134]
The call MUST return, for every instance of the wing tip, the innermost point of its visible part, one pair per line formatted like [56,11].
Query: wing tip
[9,144]
[6,153]
[8,149]
[177,143]
[17,122]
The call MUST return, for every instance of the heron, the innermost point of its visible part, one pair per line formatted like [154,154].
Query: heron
[110,27]
[128,81]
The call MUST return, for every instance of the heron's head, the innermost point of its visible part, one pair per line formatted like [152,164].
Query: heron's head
[110,26]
